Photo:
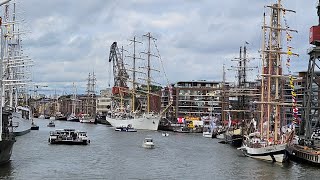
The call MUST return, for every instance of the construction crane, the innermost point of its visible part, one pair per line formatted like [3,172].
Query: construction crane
[120,74]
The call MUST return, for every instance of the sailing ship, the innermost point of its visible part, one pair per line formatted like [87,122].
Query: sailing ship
[7,138]
[89,115]
[307,147]
[268,142]
[126,112]
[16,71]
[239,98]
[72,117]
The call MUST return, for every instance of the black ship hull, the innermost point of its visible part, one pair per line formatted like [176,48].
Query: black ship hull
[74,120]
[34,127]
[303,154]
[6,150]
[8,138]
[234,140]
[85,142]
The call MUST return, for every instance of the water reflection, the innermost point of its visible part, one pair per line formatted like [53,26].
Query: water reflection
[6,170]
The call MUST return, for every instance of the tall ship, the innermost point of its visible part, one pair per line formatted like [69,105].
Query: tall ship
[7,137]
[238,101]
[17,68]
[306,147]
[72,116]
[269,140]
[135,106]
[90,114]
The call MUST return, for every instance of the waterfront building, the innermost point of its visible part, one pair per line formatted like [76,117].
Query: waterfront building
[197,98]
[104,101]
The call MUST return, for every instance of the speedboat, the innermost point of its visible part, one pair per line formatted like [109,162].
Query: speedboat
[148,143]
[128,128]
[34,126]
[165,134]
[51,124]
[86,118]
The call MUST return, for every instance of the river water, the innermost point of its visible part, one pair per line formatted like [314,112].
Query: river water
[119,155]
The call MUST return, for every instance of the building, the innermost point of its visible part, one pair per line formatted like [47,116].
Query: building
[197,98]
[104,102]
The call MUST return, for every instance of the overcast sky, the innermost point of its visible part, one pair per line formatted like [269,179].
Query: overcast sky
[68,39]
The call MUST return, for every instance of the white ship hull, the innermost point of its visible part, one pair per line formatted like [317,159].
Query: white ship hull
[207,134]
[221,136]
[274,153]
[144,123]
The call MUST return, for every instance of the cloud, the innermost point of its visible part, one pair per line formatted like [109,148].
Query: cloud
[70,39]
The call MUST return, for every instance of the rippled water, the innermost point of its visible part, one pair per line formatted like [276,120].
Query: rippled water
[119,155]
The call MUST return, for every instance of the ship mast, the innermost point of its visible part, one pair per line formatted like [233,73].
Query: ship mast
[224,102]
[2,41]
[73,99]
[243,90]
[134,57]
[272,77]
[148,35]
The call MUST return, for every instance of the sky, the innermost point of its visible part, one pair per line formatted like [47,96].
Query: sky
[68,39]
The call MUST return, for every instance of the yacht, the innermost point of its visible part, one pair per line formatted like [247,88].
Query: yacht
[148,143]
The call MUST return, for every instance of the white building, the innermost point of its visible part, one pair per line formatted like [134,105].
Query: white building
[104,101]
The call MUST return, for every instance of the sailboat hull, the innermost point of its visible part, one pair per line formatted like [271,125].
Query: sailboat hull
[274,153]
[5,150]
[144,123]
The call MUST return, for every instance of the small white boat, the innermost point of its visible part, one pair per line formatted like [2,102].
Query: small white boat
[221,136]
[207,134]
[165,134]
[86,118]
[125,129]
[148,143]
[51,124]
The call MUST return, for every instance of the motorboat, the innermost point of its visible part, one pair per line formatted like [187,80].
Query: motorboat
[128,128]
[51,124]
[125,129]
[148,143]
[34,126]
[182,130]
[86,118]
[165,134]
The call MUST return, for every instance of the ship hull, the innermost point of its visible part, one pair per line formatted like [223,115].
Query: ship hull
[23,126]
[143,123]
[5,150]
[300,154]
[84,142]
[274,153]
[234,140]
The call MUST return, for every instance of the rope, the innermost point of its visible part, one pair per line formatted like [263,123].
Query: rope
[165,75]
[295,109]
